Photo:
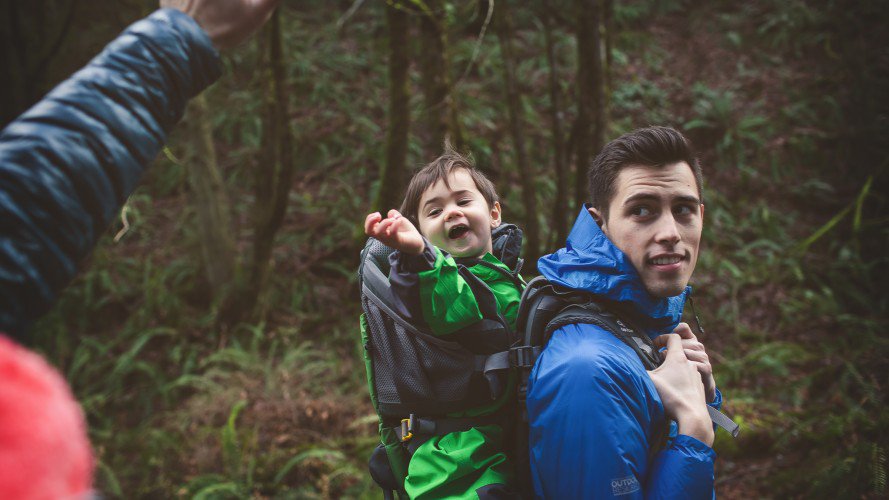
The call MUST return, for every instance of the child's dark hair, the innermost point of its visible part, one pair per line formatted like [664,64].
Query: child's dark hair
[439,170]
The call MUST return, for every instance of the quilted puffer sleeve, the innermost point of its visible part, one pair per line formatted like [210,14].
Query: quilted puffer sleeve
[69,163]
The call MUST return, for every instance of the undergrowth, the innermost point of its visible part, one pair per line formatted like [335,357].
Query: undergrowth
[789,284]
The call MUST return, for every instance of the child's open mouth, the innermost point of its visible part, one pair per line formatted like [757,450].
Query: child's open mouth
[458,231]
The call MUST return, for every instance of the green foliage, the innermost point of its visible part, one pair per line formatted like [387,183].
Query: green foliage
[789,281]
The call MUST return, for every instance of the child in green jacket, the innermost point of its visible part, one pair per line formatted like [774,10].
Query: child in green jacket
[447,218]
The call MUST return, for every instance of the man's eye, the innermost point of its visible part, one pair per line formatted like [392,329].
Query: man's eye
[640,211]
[683,210]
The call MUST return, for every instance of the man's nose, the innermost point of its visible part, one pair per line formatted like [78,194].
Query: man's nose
[667,230]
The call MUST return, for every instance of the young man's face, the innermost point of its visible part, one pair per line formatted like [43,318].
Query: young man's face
[655,218]
[458,219]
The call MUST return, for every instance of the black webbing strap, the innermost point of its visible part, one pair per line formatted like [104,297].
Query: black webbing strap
[592,313]
[415,430]
[515,357]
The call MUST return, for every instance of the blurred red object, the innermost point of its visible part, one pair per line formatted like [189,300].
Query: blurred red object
[44,449]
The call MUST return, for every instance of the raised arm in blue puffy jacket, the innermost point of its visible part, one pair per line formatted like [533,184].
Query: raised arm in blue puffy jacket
[594,413]
[69,163]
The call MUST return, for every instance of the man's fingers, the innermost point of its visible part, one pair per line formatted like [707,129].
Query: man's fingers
[664,340]
[684,331]
[693,345]
[673,344]
[697,356]
[703,368]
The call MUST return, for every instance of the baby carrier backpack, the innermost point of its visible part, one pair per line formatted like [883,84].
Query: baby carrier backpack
[423,385]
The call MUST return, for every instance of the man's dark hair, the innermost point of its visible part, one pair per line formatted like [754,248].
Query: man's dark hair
[439,170]
[650,147]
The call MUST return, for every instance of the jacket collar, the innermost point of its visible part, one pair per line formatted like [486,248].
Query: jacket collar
[591,262]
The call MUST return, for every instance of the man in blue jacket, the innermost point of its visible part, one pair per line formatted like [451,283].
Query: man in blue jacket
[66,167]
[596,415]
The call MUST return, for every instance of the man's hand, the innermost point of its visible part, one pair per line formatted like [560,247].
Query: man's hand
[228,22]
[395,231]
[679,385]
[695,352]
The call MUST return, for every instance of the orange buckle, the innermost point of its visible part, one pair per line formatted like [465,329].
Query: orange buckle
[406,433]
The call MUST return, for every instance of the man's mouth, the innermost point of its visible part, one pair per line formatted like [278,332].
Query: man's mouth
[666,260]
[458,231]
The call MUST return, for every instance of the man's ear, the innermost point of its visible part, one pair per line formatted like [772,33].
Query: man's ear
[495,214]
[596,215]
[702,212]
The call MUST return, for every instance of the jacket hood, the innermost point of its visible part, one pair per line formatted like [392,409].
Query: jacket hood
[591,262]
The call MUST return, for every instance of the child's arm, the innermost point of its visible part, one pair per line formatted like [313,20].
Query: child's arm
[425,280]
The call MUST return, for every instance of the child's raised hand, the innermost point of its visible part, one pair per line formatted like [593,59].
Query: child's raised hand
[395,231]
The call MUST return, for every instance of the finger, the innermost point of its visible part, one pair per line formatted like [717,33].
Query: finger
[370,220]
[684,331]
[381,226]
[662,341]
[394,214]
[673,344]
[697,356]
[389,226]
[703,368]
[693,345]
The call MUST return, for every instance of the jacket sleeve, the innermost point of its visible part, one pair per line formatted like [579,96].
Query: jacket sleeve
[430,287]
[593,414]
[69,163]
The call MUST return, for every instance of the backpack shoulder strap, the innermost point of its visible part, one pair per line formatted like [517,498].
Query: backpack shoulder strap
[593,312]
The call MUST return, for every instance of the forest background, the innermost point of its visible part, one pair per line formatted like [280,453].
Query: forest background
[212,337]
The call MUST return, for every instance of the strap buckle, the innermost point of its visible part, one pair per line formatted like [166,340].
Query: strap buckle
[407,427]
[523,356]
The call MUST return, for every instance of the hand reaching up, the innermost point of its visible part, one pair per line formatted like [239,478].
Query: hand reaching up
[395,231]
[228,22]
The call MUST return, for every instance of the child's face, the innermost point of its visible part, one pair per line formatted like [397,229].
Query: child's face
[458,219]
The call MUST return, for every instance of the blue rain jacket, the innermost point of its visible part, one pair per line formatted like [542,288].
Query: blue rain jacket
[69,163]
[592,408]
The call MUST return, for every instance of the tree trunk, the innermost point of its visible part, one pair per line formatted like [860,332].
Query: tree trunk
[599,104]
[439,113]
[273,178]
[608,29]
[393,172]
[210,201]
[590,117]
[514,108]
[560,203]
